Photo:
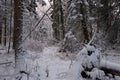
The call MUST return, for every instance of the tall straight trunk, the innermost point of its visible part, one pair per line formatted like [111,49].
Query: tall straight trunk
[85,22]
[55,20]
[58,23]
[118,35]
[18,25]
[17,41]
[11,15]
[5,27]
[17,37]
[61,21]
[0,33]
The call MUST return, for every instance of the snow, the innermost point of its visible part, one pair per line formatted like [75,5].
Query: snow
[93,61]
[110,65]
[74,72]
[52,65]
[84,52]
[86,3]
[6,64]
[96,73]
[79,1]
[74,11]
[72,5]
[86,61]
[2,47]
[70,35]
[74,17]
[47,64]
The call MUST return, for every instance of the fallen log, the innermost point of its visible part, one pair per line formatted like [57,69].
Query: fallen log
[106,66]
[94,66]
[110,67]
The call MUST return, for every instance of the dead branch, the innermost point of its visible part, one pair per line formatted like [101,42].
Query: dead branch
[6,63]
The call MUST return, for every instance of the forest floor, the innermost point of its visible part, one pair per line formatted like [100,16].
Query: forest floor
[49,65]
[46,65]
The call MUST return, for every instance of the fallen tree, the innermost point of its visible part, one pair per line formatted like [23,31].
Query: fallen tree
[110,67]
[90,64]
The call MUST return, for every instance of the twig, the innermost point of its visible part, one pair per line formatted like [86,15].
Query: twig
[24,72]
[5,63]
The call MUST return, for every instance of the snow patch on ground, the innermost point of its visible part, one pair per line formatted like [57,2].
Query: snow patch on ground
[47,65]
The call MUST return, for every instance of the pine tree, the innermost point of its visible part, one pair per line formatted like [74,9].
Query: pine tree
[18,25]
[58,20]
[107,22]
[17,36]
[1,20]
[0,33]
[78,28]
[5,23]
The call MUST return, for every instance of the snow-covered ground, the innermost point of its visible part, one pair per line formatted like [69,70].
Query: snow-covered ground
[46,65]
[7,64]
[112,55]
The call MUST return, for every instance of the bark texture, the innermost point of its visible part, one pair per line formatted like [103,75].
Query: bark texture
[58,20]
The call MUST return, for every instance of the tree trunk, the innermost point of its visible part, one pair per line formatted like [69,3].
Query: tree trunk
[85,22]
[58,23]
[18,25]
[61,21]
[10,36]
[5,25]
[17,38]
[0,33]
[18,29]
[109,67]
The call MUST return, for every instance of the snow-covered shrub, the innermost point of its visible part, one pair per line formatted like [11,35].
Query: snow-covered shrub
[70,43]
[96,74]
[89,57]
[88,66]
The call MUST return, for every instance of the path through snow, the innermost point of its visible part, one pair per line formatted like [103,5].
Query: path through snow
[46,65]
